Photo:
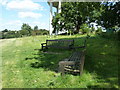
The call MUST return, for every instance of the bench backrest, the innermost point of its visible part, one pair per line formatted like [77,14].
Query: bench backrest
[59,43]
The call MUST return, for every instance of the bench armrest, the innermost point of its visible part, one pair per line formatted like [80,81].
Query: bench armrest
[42,44]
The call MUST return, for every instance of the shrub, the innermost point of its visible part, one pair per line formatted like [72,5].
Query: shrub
[98,31]
[24,32]
[40,32]
[84,28]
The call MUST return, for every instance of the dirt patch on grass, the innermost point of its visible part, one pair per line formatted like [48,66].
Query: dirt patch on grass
[19,42]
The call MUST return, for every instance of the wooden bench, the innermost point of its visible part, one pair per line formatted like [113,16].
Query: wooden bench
[74,64]
[64,44]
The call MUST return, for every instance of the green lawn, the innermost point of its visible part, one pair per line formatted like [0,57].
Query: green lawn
[24,67]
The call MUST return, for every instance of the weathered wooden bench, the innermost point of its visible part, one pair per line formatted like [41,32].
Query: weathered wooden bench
[63,44]
[74,64]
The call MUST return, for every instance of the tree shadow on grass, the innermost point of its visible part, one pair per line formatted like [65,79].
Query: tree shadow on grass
[102,59]
[49,60]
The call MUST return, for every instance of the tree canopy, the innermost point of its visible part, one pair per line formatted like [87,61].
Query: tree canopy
[36,27]
[26,29]
[111,14]
[74,14]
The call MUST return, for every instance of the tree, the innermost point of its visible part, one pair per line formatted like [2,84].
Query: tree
[36,27]
[76,13]
[111,14]
[10,34]
[1,35]
[85,28]
[6,30]
[26,29]
[24,32]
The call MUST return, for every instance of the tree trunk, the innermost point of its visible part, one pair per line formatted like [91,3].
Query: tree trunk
[78,25]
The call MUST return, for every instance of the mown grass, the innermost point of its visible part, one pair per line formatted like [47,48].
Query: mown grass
[24,67]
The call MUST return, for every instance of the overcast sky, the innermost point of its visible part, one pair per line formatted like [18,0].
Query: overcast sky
[15,12]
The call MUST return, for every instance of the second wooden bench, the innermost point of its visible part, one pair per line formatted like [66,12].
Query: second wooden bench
[74,64]
[64,44]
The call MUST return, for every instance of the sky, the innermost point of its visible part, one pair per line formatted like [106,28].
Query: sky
[13,13]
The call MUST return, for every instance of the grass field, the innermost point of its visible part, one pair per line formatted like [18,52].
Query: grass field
[24,67]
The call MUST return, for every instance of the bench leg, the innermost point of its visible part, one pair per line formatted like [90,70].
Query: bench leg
[82,65]
[42,47]
[63,64]
[61,68]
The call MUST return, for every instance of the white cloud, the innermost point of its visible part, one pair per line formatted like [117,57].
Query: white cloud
[15,22]
[3,2]
[29,15]
[23,5]
[11,25]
